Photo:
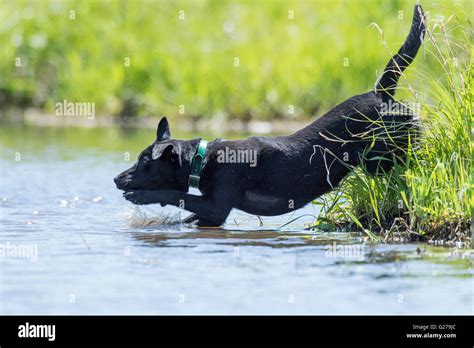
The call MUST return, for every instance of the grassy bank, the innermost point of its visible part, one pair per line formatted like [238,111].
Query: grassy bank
[429,196]
[221,59]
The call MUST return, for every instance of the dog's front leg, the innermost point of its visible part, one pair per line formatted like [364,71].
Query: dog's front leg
[214,208]
[142,197]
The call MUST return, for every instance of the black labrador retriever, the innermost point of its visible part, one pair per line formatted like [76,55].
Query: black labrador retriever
[275,175]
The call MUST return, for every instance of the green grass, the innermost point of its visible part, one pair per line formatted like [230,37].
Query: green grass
[283,61]
[429,196]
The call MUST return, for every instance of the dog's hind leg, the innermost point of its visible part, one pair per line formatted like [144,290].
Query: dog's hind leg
[197,220]
[258,204]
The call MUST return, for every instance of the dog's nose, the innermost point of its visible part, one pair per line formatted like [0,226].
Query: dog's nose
[117,181]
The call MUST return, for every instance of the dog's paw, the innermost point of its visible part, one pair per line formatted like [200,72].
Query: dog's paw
[141,197]
[133,197]
[137,197]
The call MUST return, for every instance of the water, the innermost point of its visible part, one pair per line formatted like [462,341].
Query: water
[83,254]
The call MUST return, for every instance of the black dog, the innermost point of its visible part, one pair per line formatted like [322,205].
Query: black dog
[285,172]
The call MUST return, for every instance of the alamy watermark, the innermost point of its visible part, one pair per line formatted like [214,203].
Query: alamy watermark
[400,108]
[345,251]
[19,251]
[28,330]
[237,156]
[66,108]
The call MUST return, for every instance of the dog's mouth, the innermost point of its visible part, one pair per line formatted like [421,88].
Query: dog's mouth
[125,187]
[120,184]
[127,184]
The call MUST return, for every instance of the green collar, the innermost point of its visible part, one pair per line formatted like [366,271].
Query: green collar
[197,164]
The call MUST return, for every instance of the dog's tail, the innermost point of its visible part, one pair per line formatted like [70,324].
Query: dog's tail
[388,82]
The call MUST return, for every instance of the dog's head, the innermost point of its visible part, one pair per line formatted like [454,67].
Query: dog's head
[161,166]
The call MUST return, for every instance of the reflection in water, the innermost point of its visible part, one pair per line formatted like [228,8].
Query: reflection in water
[269,238]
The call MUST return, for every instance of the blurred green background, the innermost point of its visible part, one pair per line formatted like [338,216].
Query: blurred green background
[200,59]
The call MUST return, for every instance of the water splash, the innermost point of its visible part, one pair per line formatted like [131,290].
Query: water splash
[137,217]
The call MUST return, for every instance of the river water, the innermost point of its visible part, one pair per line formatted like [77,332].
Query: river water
[70,244]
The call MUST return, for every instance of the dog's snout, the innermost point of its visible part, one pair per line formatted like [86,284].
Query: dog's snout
[120,182]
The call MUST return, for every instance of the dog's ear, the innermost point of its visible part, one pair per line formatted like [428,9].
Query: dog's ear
[163,130]
[167,150]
